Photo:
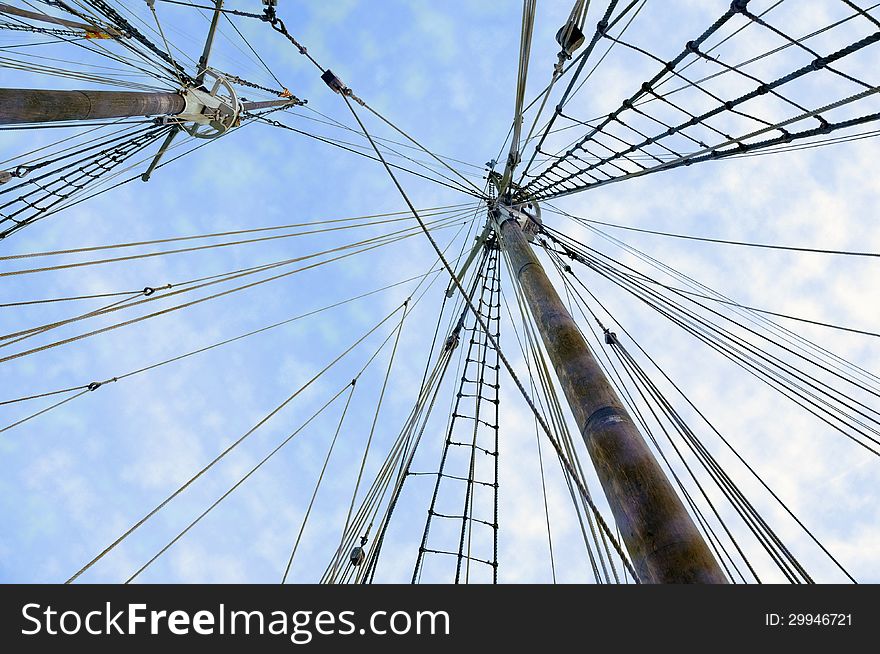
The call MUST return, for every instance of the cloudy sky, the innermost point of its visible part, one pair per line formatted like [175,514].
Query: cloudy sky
[77,477]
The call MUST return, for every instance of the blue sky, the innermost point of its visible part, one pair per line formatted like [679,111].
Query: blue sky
[74,479]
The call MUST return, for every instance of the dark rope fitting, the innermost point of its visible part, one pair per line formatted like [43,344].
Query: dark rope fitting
[646,87]
[739,6]
[628,103]
[148,291]
[819,63]
[94,386]
[602,27]
[567,268]
[692,46]
[729,105]
[610,337]
[763,89]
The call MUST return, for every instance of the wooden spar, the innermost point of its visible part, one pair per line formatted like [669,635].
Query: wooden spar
[88,29]
[662,540]
[41,106]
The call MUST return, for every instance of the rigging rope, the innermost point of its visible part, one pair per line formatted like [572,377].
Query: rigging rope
[598,169]
[227,450]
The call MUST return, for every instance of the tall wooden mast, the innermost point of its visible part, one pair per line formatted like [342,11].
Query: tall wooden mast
[662,540]
[41,105]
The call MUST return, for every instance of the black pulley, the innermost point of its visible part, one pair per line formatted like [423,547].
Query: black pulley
[357,556]
[570,38]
